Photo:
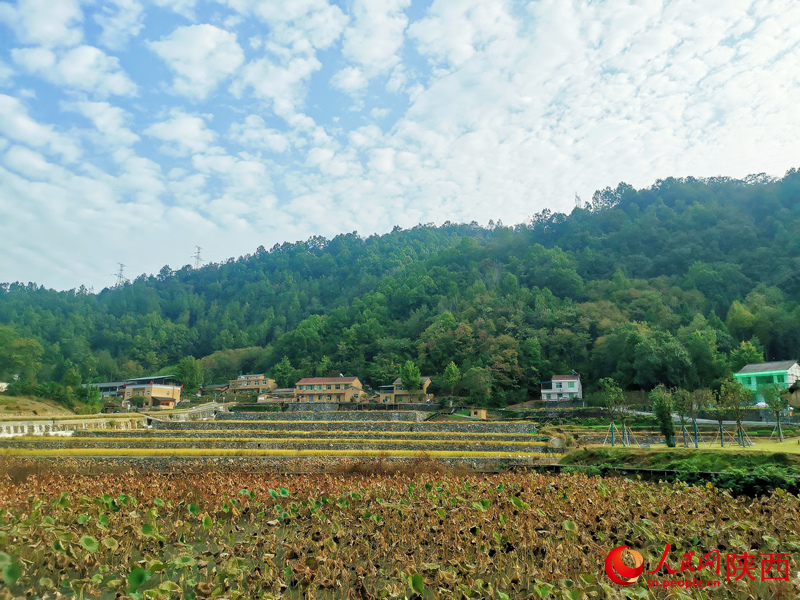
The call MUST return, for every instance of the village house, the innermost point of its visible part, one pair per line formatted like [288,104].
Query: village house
[330,389]
[258,383]
[396,393]
[161,391]
[158,395]
[785,373]
[563,387]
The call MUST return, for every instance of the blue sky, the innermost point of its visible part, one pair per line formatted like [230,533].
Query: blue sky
[132,130]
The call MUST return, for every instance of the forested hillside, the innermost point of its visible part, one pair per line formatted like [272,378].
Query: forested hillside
[659,285]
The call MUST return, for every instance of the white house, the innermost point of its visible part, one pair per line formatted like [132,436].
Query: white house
[563,387]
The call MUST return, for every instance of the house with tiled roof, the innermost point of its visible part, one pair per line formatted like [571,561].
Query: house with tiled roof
[563,387]
[786,373]
[330,389]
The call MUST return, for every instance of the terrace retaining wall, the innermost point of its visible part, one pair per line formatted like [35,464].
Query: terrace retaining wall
[474,446]
[519,427]
[323,416]
[257,434]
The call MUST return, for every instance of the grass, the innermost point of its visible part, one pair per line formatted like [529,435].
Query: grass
[682,459]
[71,417]
[78,452]
[28,406]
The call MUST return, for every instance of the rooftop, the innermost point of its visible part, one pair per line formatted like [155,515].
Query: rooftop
[150,378]
[307,380]
[399,380]
[560,377]
[781,365]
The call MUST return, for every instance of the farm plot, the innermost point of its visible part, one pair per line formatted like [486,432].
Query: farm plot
[416,532]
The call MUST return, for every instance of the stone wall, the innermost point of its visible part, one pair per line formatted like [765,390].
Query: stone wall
[324,416]
[266,444]
[355,426]
[163,434]
[290,465]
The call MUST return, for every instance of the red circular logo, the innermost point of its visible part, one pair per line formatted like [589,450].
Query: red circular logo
[621,573]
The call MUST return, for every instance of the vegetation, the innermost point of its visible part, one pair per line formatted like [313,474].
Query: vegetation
[663,406]
[663,285]
[366,533]
[742,473]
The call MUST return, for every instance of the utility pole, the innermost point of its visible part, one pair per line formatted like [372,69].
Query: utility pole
[120,276]
[198,261]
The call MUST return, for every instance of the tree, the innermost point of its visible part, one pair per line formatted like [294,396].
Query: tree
[685,404]
[477,382]
[190,374]
[410,376]
[777,400]
[451,376]
[284,373]
[746,354]
[662,409]
[736,399]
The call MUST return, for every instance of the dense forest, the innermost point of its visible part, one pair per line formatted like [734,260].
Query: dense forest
[679,283]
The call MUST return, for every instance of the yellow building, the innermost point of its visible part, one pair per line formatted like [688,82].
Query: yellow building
[260,384]
[396,393]
[154,394]
[330,389]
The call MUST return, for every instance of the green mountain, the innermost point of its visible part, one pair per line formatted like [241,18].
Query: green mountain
[658,285]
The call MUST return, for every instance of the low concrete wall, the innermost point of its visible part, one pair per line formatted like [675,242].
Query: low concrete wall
[67,426]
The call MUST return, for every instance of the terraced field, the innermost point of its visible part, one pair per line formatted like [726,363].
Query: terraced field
[302,433]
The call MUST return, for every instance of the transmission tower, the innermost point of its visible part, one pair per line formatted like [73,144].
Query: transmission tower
[577,201]
[120,275]
[198,261]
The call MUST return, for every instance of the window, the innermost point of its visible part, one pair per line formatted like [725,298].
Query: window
[337,386]
[780,378]
[558,385]
[328,387]
[747,380]
[763,379]
[572,384]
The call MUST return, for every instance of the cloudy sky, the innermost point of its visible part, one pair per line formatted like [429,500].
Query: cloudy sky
[133,130]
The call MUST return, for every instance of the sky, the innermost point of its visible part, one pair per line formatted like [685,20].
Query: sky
[132,131]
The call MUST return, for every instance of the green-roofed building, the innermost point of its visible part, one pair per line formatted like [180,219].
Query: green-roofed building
[785,373]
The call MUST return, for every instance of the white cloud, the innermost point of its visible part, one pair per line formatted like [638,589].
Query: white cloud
[281,84]
[201,56]
[455,30]
[83,68]
[254,133]
[300,23]
[350,80]
[6,73]
[108,120]
[120,20]
[376,35]
[17,125]
[184,8]
[45,22]
[185,134]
